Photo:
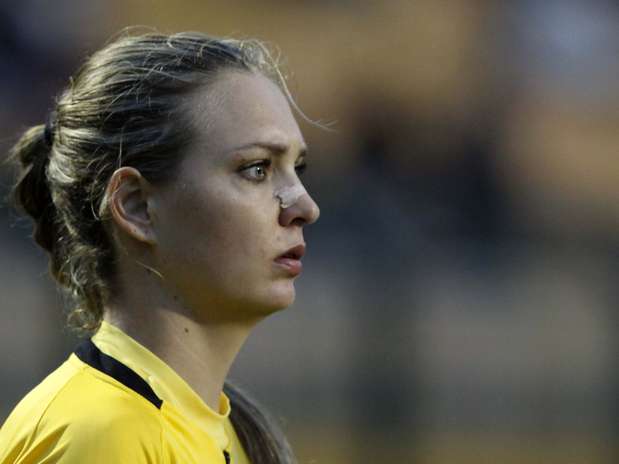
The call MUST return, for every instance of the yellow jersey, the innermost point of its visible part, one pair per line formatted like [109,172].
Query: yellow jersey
[114,401]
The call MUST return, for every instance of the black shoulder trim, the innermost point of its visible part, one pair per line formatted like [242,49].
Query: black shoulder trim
[88,352]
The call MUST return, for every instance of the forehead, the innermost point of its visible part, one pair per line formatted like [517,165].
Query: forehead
[238,108]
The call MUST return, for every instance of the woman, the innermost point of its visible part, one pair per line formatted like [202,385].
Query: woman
[165,187]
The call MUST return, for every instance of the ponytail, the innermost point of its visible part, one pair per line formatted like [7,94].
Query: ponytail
[261,437]
[76,267]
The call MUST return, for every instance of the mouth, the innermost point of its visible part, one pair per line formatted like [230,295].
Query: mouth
[290,260]
[296,252]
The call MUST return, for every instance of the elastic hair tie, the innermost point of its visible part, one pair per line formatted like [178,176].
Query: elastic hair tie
[50,127]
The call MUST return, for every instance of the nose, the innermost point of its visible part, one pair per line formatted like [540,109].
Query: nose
[305,211]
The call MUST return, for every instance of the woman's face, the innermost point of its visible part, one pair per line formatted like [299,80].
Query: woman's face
[221,231]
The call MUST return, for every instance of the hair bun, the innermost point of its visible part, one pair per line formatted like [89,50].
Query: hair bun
[31,192]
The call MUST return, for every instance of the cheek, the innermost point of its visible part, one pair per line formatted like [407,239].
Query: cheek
[243,232]
[226,228]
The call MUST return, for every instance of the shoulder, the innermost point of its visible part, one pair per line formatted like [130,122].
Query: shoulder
[79,415]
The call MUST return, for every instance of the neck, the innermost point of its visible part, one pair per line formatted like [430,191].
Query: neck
[201,353]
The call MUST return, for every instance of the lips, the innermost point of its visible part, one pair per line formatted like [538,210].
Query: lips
[296,252]
[290,260]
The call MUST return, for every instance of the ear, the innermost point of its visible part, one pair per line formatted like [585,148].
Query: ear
[128,195]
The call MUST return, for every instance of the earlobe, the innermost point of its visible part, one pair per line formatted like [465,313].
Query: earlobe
[127,196]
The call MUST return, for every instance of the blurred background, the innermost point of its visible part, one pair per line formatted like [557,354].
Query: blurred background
[459,302]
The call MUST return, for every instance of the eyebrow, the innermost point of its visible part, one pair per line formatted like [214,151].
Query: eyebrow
[273,147]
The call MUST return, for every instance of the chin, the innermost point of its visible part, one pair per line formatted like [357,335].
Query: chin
[278,298]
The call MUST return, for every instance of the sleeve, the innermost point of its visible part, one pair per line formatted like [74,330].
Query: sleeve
[121,438]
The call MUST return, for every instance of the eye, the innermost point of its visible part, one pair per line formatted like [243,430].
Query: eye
[301,167]
[257,171]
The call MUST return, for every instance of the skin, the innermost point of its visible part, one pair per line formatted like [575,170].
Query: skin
[196,268]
